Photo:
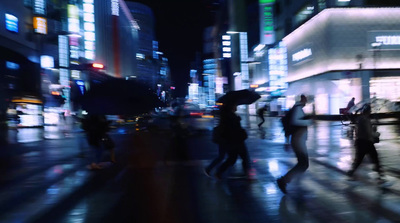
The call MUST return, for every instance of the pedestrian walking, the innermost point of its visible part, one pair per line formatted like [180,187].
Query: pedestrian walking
[298,142]
[178,148]
[233,138]
[96,128]
[366,135]
[222,150]
[260,115]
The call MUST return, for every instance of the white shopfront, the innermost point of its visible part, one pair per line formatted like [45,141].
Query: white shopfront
[343,53]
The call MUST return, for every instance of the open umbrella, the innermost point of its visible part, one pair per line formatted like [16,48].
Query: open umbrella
[119,97]
[241,97]
[378,105]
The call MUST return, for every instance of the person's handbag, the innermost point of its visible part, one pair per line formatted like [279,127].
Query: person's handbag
[108,142]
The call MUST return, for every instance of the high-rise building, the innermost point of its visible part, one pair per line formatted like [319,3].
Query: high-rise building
[146,60]
[152,66]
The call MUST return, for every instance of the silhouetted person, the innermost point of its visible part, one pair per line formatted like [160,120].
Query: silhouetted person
[222,148]
[298,142]
[364,144]
[351,115]
[260,115]
[233,139]
[178,147]
[96,127]
[350,104]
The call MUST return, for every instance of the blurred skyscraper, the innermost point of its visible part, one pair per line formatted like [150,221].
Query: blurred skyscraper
[152,65]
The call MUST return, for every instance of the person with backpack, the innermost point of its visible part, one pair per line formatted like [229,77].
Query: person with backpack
[297,128]
[285,120]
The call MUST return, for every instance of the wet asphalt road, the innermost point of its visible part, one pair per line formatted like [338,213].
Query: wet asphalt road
[46,180]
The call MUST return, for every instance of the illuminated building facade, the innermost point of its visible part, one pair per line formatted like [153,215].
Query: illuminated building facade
[337,50]
[45,62]
[21,51]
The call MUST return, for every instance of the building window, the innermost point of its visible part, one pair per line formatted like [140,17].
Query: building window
[342,3]
[303,14]
[321,5]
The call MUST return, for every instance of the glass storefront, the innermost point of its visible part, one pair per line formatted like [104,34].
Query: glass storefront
[385,88]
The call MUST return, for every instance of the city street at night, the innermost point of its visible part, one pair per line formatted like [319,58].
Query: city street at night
[199,111]
[47,180]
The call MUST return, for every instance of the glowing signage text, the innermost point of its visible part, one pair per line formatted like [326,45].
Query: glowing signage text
[388,40]
[301,55]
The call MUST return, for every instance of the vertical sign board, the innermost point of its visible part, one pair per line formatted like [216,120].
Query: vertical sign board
[277,60]
[63,54]
[89,29]
[73,19]
[267,34]
[64,81]
[63,51]
[211,89]
[244,66]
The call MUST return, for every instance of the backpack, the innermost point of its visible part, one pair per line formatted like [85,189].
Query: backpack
[288,127]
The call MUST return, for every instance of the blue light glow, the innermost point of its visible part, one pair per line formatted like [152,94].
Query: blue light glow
[11,23]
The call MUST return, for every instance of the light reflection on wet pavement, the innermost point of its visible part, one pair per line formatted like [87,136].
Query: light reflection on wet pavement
[49,183]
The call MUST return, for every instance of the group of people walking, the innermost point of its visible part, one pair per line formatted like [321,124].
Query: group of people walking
[230,137]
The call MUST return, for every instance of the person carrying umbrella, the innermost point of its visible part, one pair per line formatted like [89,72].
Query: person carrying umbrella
[233,138]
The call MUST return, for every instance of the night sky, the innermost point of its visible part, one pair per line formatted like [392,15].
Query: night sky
[179,28]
